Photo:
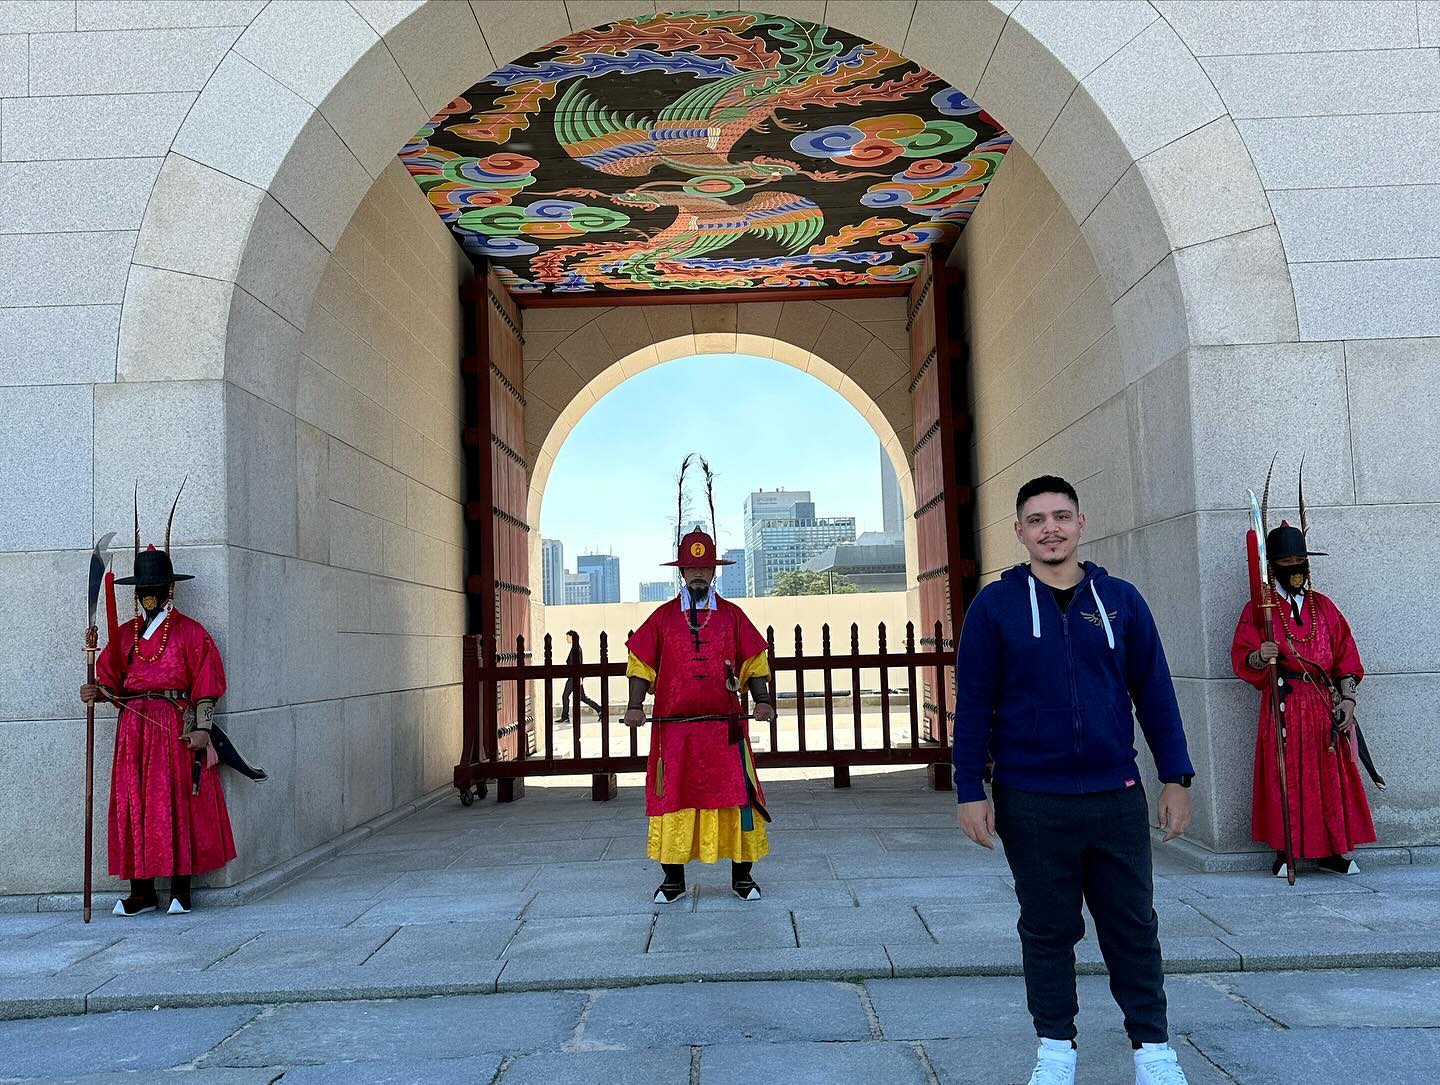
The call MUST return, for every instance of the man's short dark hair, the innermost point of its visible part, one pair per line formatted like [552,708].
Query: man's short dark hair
[1045,484]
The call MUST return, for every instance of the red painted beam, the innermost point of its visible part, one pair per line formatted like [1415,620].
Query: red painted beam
[709,297]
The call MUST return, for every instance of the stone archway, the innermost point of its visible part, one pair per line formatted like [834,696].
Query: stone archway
[304,112]
[865,370]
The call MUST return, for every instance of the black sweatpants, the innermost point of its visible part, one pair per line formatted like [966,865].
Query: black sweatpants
[1063,849]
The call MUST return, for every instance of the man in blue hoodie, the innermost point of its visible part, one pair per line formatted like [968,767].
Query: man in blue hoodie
[1051,659]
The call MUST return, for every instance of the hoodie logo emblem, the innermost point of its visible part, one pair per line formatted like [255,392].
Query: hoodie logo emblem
[1093,617]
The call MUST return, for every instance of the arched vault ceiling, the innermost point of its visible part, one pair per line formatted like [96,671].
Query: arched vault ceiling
[703,151]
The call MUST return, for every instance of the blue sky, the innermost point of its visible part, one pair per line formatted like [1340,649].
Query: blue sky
[761,424]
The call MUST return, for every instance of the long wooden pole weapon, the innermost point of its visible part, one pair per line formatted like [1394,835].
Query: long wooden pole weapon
[1263,598]
[99,560]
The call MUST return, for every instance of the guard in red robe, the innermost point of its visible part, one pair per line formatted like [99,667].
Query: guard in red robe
[167,811]
[1319,668]
[702,795]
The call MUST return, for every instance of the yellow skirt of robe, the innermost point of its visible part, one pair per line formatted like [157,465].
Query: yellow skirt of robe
[706,835]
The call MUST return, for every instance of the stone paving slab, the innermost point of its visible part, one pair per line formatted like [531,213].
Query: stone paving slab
[425,944]
[474,1070]
[426,1028]
[396,911]
[777,896]
[565,937]
[390,861]
[596,1067]
[1272,952]
[932,889]
[45,996]
[22,925]
[603,900]
[1298,916]
[829,963]
[455,882]
[1390,911]
[558,851]
[118,1041]
[681,932]
[1325,1056]
[1404,998]
[304,950]
[708,1013]
[1001,957]
[274,986]
[871,924]
[50,951]
[159,952]
[854,1061]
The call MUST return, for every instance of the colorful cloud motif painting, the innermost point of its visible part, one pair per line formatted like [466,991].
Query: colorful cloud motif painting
[704,151]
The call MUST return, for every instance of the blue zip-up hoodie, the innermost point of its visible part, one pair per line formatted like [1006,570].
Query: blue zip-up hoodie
[1048,694]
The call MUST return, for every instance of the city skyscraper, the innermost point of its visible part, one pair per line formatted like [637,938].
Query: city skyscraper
[732,577]
[604,571]
[577,588]
[891,506]
[656,591]
[552,577]
[782,532]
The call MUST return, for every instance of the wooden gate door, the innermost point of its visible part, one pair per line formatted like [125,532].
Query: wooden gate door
[943,465]
[497,551]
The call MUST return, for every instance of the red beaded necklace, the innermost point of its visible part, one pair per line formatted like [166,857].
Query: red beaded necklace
[164,638]
[1309,608]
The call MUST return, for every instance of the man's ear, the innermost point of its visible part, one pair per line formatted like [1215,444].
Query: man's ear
[1018,536]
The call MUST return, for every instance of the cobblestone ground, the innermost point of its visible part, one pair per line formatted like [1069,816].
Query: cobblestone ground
[519,943]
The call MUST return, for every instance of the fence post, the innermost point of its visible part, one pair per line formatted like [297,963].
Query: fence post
[940,772]
[603,785]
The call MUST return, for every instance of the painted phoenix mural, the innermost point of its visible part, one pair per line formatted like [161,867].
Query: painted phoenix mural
[703,151]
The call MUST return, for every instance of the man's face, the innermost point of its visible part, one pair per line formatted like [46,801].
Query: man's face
[1050,527]
[1290,573]
[698,580]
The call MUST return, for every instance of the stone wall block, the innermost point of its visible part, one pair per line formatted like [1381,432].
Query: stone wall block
[954,42]
[160,14]
[1204,185]
[439,47]
[126,61]
[840,341]
[320,766]
[1383,223]
[14,67]
[1044,50]
[1232,452]
[553,382]
[262,815]
[27,203]
[1125,233]
[160,457]
[1083,156]
[1395,461]
[1237,289]
[407,743]
[801,323]
[442,734]
[264,356]
[368,757]
[757,318]
[1365,299]
[1150,319]
[283,262]
[173,326]
[244,124]
[312,493]
[80,343]
[510,38]
[64,269]
[36,16]
[1298,27]
[1160,434]
[357,539]
[320,181]
[877,368]
[198,220]
[586,353]
[1330,152]
[260,440]
[1427,14]
[1327,83]
[46,810]
[49,641]
[1409,811]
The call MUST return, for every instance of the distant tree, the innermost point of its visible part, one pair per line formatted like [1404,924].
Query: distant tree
[809,582]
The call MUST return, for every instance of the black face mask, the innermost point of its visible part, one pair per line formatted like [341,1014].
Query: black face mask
[158,594]
[1292,577]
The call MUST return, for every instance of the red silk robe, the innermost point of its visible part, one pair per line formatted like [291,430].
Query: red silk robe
[1329,812]
[693,765]
[157,827]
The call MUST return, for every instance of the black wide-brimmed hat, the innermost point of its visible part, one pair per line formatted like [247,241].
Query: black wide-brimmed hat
[1287,541]
[153,567]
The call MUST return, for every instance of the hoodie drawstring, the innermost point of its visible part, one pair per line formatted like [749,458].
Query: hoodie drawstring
[1104,618]
[1035,611]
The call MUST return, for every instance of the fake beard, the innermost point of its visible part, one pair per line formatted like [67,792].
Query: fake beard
[697,593]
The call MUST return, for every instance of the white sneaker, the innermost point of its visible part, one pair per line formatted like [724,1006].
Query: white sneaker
[1157,1064]
[1054,1063]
